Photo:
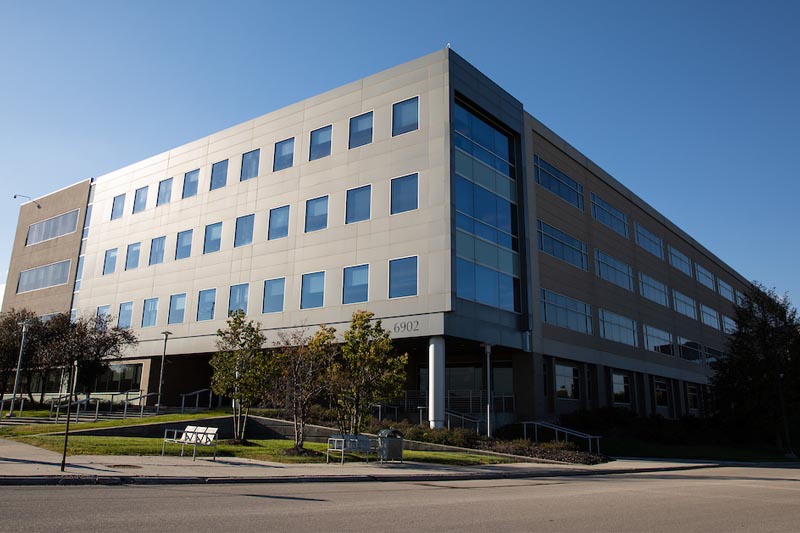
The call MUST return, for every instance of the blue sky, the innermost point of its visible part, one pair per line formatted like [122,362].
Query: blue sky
[693,105]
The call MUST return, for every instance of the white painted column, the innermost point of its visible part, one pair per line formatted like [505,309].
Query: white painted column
[436,382]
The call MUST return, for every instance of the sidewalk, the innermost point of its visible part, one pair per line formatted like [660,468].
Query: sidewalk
[22,464]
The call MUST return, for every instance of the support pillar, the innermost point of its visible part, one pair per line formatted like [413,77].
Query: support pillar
[436,382]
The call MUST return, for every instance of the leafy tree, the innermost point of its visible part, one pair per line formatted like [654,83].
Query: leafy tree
[758,383]
[10,339]
[241,368]
[366,371]
[301,366]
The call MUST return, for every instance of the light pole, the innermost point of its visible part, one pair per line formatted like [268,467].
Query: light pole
[161,373]
[488,349]
[19,366]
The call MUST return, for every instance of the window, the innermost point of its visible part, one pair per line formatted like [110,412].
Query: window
[86,222]
[621,387]
[649,241]
[693,396]
[486,285]
[157,250]
[404,194]
[103,313]
[613,270]
[244,231]
[278,223]
[658,340]
[44,276]
[110,262]
[312,293]
[565,312]
[403,277]
[662,392]
[653,290]
[125,315]
[140,200]
[316,214]
[740,298]
[356,284]
[273,295]
[132,257]
[177,307]
[684,305]
[728,325]
[360,130]
[709,316]
[219,174]
[190,181]
[690,350]
[680,261]
[704,276]
[358,204]
[79,273]
[485,214]
[183,246]
[250,165]
[484,142]
[618,328]
[150,312]
[557,182]
[213,238]
[606,214]
[725,290]
[52,228]
[405,116]
[568,382]
[206,300]
[238,298]
[320,143]
[562,246]
[284,155]
[164,192]
[118,207]
[713,355]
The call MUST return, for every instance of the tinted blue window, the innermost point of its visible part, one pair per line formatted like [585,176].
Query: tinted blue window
[118,207]
[404,194]
[132,258]
[87,221]
[104,311]
[360,130]
[213,238]
[278,223]
[358,204]
[177,307]
[125,315]
[250,165]
[79,273]
[465,196]
[110,262]
[284,155]
[320,143]
[219,174]
[183,246]
[140,200]
[273,295]
[157,250]
[206,301]
[313,289]
[238,298]
[486,286]
[465,279]
[316,214]
[405,116]
[244,231]
[164,192]
[562,245]
[190,181]
[403,277]
[356,284]
[557,182]
[150,312]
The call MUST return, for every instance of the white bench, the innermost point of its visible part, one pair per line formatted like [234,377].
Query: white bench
[339,444]
[193,436]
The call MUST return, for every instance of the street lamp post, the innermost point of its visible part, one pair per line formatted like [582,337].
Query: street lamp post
[19,366]
[488,349]
[161,373]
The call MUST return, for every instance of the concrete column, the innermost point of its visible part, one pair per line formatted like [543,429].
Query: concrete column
[436,382]
[602,385]
[648,404]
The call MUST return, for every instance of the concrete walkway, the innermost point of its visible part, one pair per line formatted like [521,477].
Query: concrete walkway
[22,464]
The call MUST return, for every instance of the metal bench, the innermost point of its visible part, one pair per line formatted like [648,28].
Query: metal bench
[193,436]
[341,444]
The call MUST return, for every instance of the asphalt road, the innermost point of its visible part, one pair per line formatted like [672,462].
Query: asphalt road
[713,499]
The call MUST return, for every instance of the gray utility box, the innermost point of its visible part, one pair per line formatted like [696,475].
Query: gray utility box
[390,445]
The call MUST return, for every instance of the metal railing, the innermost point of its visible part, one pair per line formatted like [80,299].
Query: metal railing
[457,400]
[56,403]
[566,432]
[196,395]
[77,403]
[382,407]
[11,414]
[141,404]
[126,394]
[462,420]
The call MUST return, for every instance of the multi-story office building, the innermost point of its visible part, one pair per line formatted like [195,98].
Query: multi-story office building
[425,194]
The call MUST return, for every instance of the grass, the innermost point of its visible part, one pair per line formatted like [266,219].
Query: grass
[637,448]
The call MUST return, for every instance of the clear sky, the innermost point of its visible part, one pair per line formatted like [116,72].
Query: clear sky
[693,105]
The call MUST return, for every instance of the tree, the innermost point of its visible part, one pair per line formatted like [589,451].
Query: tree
[366,371]
[10,339]
[241,368]
[760,377]
[301,366]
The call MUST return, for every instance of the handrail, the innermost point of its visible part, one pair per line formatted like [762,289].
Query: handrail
[58,399]
[141,403]
[382,406]
[197,394]
[126,394]
[77,404]
[21,398]
[556,429]
[452,414]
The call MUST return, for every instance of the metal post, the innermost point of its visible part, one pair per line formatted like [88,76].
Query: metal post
[19,366]
[488,349]
[161,373]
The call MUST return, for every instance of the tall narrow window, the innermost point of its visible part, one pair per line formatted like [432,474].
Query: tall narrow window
[568,382]
[238,298]
[118,207]
[79,273]
[250,165]
[125,315]
[110,262]
[177,307]
[621,387]
[183,245]
[320,143]
[278,223]
[316,214]
[164,192]
[150,312]
[661,392]
[213,238]
[284,155]
[273,295]
[405,116]
[403,277]
[358,204]
[132,257]
[140,200]
[157,250]
[244,231]
[355,284]
[219,174]
[404,194]
[190,182]
[206,301]
[312,292]
[360,130]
